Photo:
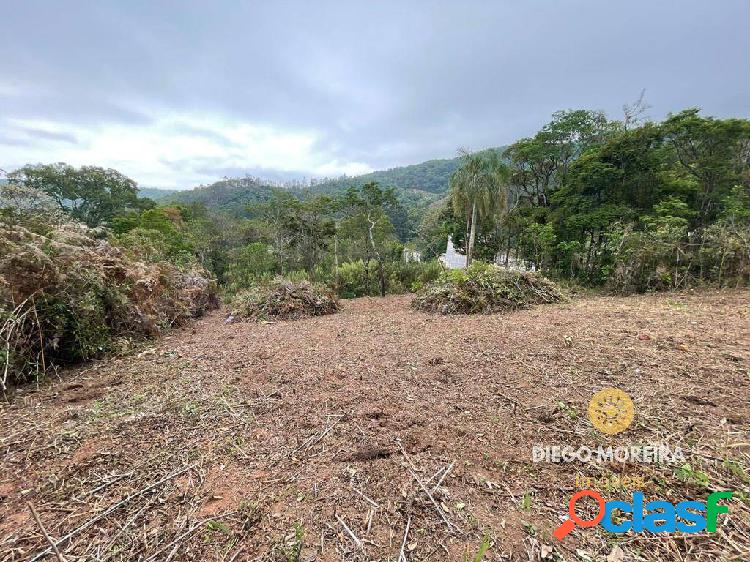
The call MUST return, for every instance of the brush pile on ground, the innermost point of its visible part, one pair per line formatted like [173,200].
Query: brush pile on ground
[66,295]
[285,300]
[485,289]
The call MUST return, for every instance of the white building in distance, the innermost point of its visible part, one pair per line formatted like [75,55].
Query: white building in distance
[451,258]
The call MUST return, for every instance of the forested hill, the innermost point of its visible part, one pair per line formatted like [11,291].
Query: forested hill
[431,176]
[155,193]
[416,185]
[230,195]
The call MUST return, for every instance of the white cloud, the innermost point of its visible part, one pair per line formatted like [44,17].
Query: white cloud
[177,150]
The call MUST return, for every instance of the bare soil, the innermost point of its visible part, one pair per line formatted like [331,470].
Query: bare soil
[319,439]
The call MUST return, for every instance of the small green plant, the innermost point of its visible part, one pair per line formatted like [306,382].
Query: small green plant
[686,473]
[190,409]
[250,513]
[214,528]
[217,526]
[736,469]
[526,501]
[289,549]
[483,548]
[568,410]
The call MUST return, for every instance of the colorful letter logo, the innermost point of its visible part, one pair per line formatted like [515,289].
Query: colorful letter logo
[653,517]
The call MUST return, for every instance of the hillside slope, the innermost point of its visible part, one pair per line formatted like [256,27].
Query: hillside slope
[431,176]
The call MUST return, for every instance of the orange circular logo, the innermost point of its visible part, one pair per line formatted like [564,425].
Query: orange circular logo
[611,411]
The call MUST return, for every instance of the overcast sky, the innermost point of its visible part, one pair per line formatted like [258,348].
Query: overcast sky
[180,93]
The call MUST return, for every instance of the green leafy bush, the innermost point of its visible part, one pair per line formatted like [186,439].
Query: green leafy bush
[401,277]
[484,288]
[653,259]
[284,299]
[249,265]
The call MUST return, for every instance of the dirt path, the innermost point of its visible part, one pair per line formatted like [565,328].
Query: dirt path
[288,432]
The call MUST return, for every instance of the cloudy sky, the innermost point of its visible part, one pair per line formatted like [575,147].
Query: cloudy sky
[185,92]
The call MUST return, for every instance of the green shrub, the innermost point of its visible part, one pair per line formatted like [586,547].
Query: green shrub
[250,265]
[724,256]
[665,255]
[401,277]
[284,299]
[652,259]
[404,277]
[484,288]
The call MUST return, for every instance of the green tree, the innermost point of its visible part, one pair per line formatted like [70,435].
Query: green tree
[711,154]
[479,190]
[250,263]
[439,222]
[301,230]
[365,219]
[89,194]
[540,164]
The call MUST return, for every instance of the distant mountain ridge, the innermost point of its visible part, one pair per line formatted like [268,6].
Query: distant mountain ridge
[431,176]
[416,185]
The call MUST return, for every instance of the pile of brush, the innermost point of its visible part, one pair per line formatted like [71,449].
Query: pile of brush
[285,300]
[66,295]
[485,289]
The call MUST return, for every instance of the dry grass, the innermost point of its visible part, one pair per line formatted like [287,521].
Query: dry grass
[316,440]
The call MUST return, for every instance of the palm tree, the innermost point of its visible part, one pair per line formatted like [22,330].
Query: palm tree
[479,189]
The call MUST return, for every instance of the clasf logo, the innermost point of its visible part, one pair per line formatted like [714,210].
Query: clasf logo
[658,517]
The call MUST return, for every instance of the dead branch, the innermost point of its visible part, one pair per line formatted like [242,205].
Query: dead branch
[412,469]
[112,508]
[53,546]
[349,532]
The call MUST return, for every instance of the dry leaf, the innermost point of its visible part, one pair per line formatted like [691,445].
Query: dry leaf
[617,555]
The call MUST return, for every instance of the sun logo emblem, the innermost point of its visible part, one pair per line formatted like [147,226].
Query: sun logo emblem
[611,411]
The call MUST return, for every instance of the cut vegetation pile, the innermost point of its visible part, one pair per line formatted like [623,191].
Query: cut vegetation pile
[66,296]
[284,300]
[485,289]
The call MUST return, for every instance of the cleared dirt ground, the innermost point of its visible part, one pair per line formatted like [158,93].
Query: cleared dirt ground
[318,439]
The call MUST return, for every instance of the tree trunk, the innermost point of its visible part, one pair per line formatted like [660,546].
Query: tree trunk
[588,255]
[466,234]
[472,235]
[367,273]
[336,259]
[381,273]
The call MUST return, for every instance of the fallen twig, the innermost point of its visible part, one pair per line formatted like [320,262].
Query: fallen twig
[59,555]
[402,554]
[314,439]
[109,510]
[354,538]
[447,471]
[412,469]
[372,502]
[176,542]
